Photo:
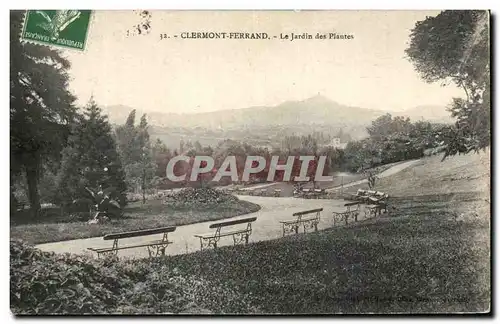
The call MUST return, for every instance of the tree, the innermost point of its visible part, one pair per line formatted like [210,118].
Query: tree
[161,156]
[146,161]
[127,140]
[41,108]
[386,125]
[454,47]
[91,158]
[136,153]
[371,176]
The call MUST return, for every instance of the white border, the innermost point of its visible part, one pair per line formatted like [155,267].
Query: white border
[199,5]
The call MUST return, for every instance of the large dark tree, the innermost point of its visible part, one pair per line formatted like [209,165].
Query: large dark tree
[91,159]
[454,47]
[41,108]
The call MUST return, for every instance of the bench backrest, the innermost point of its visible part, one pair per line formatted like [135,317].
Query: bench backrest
[308,212]
[233,222]
[161,230]
[351,203]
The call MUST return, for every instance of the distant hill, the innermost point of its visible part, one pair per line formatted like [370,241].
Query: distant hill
[268,125]
[437,114]
[316,110]
[265,125]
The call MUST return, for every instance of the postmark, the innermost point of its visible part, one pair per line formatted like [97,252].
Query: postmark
[63,28]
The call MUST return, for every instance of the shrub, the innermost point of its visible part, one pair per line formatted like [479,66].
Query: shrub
[47,283]
[199,198]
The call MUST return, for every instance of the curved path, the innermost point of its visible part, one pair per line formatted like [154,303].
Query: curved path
[266,227]
[392,170]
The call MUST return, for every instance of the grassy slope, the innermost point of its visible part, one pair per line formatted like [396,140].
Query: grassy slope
[432,257]
[465,173]
[153,214]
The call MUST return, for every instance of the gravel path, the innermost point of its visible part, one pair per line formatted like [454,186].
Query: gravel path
[266,227]
[392,170]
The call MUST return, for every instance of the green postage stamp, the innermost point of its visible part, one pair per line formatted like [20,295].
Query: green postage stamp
[67,28]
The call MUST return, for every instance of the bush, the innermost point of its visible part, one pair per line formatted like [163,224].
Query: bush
[199,198]
[47,283]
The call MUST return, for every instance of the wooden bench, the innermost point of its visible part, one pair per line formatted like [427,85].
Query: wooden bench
[361,195]
[315,192]
[155,247]
[351,212]
[376,205]
[239,235]
[261,192]
[372,210]
[292,226]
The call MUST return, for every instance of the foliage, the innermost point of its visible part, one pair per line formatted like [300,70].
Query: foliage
[41,108]
[454,47]
[387,125]
[199,197]
[46,283]
[392,139]
[136,153]
[161,156]
[372,178]
[101,201]
[90,158]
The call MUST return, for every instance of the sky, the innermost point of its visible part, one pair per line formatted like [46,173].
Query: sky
[201,75]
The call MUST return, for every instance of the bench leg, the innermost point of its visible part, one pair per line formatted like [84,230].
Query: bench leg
[201,244]
[207,242]
[290,228]
[240,237]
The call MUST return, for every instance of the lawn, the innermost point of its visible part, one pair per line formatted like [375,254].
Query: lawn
[137,216]
[433,257]
[430,175]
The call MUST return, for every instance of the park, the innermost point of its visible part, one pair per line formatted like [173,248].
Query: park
[303,207]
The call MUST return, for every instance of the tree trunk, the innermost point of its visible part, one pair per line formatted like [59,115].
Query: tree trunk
[13,200]
[33,195]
